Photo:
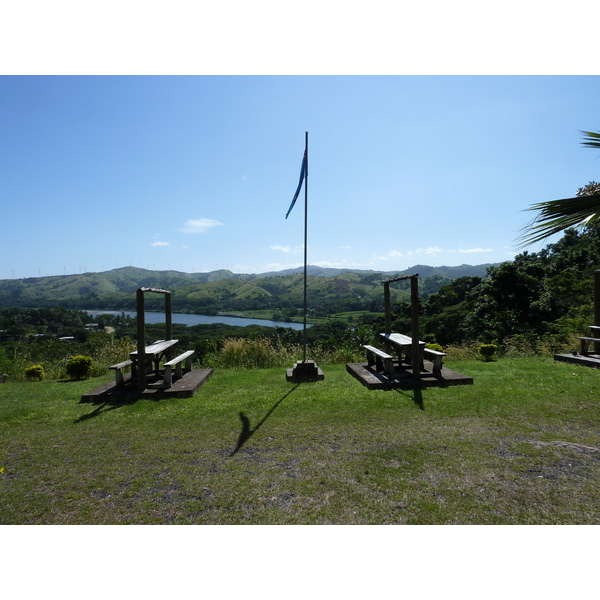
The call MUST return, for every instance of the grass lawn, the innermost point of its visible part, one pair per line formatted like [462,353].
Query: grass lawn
[520,446]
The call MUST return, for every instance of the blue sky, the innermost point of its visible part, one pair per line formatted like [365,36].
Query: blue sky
[196,173]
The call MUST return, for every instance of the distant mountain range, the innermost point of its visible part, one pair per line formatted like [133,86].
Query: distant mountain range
[421,270]
[221,289]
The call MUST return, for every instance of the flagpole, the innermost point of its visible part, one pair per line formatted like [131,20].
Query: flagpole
[304,370]
[305,235]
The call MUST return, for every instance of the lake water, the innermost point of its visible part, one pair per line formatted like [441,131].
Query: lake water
[185,319]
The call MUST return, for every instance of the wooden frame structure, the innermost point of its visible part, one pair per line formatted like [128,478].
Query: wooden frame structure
[414,317]
[141,329]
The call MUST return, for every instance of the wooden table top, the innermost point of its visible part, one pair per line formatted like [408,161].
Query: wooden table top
[156,347]
[399,339]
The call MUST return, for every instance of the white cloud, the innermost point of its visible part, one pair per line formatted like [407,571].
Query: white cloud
[286,249]
[280,266]
[160,244]
[340,264]
[474,250]
[198,225]
[409,254]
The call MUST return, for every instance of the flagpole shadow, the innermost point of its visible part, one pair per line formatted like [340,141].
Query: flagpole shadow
[417,397]
[247,432]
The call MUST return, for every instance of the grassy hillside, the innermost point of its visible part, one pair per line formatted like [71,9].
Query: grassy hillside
[520,446]
[221,290]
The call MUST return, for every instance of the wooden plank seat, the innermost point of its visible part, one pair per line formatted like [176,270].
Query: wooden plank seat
[118,369]
[435,357]
[177,363]
[382,360]
[585,343]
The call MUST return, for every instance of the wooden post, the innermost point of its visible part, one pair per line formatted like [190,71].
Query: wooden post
[597,298]
[387,307]
[141,341]
[414,314]
[168,317]
[596,307]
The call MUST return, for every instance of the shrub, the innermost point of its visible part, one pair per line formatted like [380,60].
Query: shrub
[487,351]
[79,367]
[434,346]
[35,372]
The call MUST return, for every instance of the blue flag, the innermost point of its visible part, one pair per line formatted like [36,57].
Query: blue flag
[302,176]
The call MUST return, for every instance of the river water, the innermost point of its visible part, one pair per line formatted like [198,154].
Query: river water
[185,319]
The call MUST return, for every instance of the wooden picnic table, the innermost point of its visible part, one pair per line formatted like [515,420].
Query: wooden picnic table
[593,340]
[403,344]
[153,354]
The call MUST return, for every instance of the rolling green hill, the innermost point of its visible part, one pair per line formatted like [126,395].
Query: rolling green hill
[329,290]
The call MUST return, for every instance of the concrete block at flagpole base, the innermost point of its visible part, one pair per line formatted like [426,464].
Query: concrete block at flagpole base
[304,371]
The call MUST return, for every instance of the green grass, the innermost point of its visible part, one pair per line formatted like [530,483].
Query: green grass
[325,452]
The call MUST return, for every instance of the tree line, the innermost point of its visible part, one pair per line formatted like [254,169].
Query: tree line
[538,295]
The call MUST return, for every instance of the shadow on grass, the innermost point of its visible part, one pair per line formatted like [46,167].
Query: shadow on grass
[248,431]
[104,406]
[417,396]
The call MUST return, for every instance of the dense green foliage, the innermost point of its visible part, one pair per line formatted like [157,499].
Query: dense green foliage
[83,346]
[544,295]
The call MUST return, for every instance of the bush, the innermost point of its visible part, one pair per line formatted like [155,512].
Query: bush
[487,351]
[35,372]
[79,367]
[434,346]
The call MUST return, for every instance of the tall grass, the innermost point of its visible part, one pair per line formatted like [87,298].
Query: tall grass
[260,353]
[264,353]
[517,346]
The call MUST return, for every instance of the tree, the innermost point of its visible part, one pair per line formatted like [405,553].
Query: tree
[446,311]
[555,216]
[508,302]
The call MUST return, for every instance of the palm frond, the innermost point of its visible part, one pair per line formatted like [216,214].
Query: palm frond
[555,216]
[591,139]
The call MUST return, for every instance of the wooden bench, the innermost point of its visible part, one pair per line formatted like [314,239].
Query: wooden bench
[436,358]
[118,369]
[382,360]
[585,343]
[177,363]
